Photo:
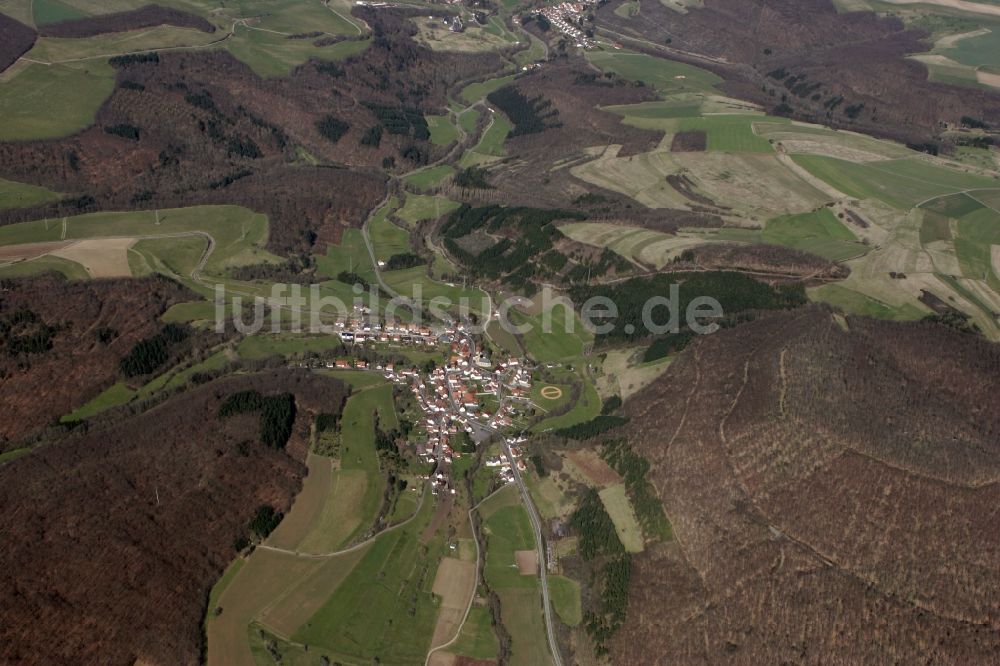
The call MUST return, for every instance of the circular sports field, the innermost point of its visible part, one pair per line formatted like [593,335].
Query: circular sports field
[551,392]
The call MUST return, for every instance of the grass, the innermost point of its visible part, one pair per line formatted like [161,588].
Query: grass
[556,337]
[419,207]
[666,76]
[565,593]
[468,118]
[623,516]
[258,347]
[46,102]
[190,312]
[387,238]
[240,234]
[410,281]
[901,183]
[271,55]
[70,269]
[732,134]
[477,91]
[442,131]
[351,255]
[490,145]
[117,394]
[587,407]
[384,608]
[358,380]
[477,640]
[21,195]
[818,232]
[99,47]
[227,577]
[357,449]
[978,232]
[853,302]
[170,256]
[53,11]
[426,179]
[976,51]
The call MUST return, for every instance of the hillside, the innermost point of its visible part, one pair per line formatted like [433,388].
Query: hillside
[831,491]
[115,535]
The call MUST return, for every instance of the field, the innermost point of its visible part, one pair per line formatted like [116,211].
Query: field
[565,593]
[49,101]
[100,47]
[386,237]
[622,515]
[117,394]
[624,374]
[587,407]
[818,232]
[490,146]
[271,55]
[508,530]
[420,207]
[477,91]
[476,640]
[666,76]
[554,335]
[351,255]
[434,34]
[442,131]
[425,179]
[455,583]
[410,281]
[385,607]
[52,11]
[20,195]
[902,184]
[239,234]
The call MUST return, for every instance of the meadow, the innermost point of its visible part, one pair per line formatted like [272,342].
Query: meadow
[387,238]
[51,101]
[442,130]
[419,207]
[425,179]
[508,529]
[20,195]
[490,146]
[406,282]
[623,516]
[667,76]
[477,91]
[565,594]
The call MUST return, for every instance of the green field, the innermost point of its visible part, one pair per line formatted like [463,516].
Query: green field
[468,119]
[21,195]
[53,11]
[100,47]
[442,131]
[565,593]
[351,255]
[45,102]
[490,145]
[729,133]
[477,91]
[425,179]
[557,335]
[256,347]
[587,406]
[272,55]
[476,639]
[623,516]
[448,296]
[70,269]
[667,76]
[976,51]
[117,394]
[818,232]
[419,207]
[387,238]
[901,183]
[508,529]
[384,609]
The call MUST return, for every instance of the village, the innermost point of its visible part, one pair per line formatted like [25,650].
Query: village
[566,17]
[471,398]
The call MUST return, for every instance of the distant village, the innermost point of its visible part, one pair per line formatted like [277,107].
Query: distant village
[451,397]
[566,17]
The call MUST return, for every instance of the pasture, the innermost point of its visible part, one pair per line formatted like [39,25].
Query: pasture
[21,195]
[115,395]
[477,91]
[900,183]
[386,237]
[425,179]
[351,256]
[565,594]
[385,606]
[442,130]
[51,101]
[413,282]
[272,55]
[419,207]
[818,232]
[667,76]
[476,640]
[490,146]
[623,516]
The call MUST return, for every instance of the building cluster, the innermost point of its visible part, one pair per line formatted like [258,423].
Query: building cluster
[565,17]
[465,400]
